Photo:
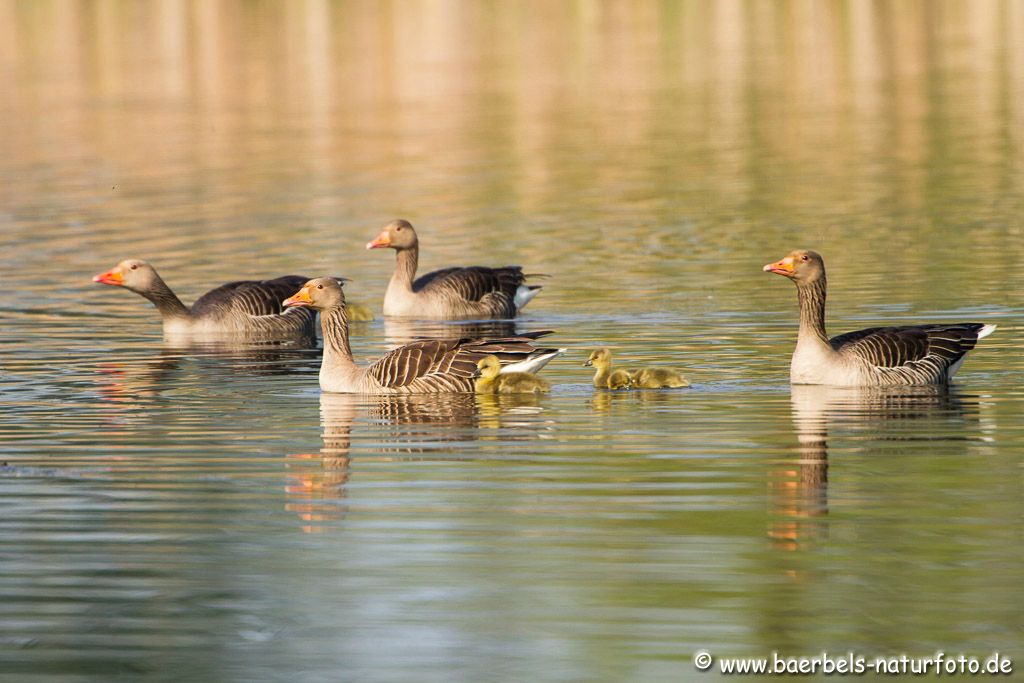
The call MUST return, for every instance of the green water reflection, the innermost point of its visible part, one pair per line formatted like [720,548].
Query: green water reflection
[203,513]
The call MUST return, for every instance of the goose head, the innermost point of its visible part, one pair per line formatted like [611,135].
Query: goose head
[601,358]
[133,274]
[488,367]
[320,294]
[397,235]
[802,266]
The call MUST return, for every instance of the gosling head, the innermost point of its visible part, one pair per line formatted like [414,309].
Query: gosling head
[488,367]
[601,358]
[320,294]
[133,274]
[397,235]
[802,266]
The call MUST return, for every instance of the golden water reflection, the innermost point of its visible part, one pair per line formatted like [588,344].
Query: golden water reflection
[799,491]
[468,113]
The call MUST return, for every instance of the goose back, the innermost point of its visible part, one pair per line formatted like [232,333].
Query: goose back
[917,354]
[431,365]
[495,288]
[248,297]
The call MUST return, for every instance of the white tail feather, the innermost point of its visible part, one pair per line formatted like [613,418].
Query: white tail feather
[523,295]
[533,363]
[985,331]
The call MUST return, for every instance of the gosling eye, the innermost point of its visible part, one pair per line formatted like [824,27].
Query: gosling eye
[319,286]
[804,257]
[134,266]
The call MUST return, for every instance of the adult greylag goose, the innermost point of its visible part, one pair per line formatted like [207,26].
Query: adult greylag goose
[424,366]
[243,308]
[878,356]
[491,380]
[474,292]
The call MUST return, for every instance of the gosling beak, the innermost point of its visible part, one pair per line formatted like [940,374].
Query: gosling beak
[783,267]
[588,364]
[382,240]
[300,298]
[111,277]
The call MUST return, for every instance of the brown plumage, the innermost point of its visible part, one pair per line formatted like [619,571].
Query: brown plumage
[424,366]
[878,356]
[450,293]
[244,308]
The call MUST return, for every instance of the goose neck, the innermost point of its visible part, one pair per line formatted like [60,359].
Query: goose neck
[337,352]
[165,300]
[406,262]
[812,310]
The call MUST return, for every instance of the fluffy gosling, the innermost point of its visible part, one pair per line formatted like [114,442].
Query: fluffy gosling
[493,381]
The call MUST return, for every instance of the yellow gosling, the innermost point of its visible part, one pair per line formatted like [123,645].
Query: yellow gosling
[493,381]
[486,382]
[659,378]
[619,379]
[601,360]
[359,313]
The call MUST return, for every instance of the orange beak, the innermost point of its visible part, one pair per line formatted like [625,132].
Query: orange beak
[300,298]
[382,240]
[111,277]
[783,267]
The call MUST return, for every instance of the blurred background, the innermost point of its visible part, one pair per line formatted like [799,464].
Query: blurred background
[206,514]
[695,138]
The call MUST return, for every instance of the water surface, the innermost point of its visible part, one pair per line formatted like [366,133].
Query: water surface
[206,513]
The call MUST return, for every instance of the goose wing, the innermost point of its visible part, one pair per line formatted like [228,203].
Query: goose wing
[896,347]
[248,297]
[447,360]
[472,283]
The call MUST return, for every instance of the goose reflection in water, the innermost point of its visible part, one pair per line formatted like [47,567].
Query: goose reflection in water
[398,331]
[142,376]
[385,427]
[800,494]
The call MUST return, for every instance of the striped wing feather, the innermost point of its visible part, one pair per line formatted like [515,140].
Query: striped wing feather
[249,297]
[896,347]
[473,283]
[444,360]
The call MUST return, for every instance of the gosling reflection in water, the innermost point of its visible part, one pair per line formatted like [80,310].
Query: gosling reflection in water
[608,401]
[800,493]
[512,417]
